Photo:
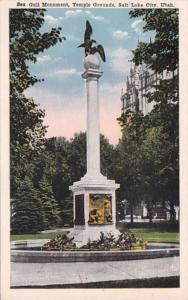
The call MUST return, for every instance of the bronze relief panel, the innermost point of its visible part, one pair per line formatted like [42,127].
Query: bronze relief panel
[100,209]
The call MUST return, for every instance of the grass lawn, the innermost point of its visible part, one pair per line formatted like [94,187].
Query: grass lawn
[149,234]
[50,235]
[153,234]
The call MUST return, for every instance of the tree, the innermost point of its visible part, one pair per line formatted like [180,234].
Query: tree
[49,204]
[50,167]
[44,165]
[58,166]
[128,170]
[153,151]
[70,165]
[61,182]
[26,118]
[27,137]
[26,42]
[28,214]
[160,55]
[108,157]
[76,157]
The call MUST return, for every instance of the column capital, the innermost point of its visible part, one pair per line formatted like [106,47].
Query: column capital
[93,74]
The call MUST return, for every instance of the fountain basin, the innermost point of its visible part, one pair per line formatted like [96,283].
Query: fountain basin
[29,252]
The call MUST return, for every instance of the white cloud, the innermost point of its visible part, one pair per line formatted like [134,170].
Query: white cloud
[52,20]
[119,60]
[73,13]
[79,12]
[43,58]
[67,72]
[61,73]
[98,18]
[119,34]
[47,58]
[137,26]
[94,17]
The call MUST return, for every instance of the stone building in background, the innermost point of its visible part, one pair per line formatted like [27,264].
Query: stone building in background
[140,81]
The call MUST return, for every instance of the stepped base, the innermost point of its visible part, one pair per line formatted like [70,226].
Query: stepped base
[83,236]
[94,208]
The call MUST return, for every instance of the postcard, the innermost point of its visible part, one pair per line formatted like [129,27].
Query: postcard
[93,149]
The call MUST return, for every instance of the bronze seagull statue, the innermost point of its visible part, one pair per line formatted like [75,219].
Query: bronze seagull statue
[88,42]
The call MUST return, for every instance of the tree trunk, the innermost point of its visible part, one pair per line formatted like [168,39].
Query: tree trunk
[172,212]
[150,218]
[150,214]
[132,218]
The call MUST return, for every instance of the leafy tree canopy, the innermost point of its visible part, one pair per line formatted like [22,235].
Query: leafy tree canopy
[27,132]
[26,42]
[149,148]
[162,53]
[28,216]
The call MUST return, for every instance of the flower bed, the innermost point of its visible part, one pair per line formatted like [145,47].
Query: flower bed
[106,242]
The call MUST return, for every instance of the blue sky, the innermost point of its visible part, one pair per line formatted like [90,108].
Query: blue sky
[62,94]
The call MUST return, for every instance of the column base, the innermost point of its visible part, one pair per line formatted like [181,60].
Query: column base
[94,208]
[83,236]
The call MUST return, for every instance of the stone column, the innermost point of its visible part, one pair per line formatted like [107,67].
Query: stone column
[93,125]
[93,185]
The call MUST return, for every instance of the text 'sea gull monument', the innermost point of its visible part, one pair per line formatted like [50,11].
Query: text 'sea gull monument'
[94,194]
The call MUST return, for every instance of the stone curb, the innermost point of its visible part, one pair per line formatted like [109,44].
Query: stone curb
[28,243]
[89,256]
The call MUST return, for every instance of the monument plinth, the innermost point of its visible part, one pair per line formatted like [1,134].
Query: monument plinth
[94,194]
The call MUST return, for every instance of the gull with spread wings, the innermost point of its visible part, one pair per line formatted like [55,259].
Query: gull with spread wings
[88,42]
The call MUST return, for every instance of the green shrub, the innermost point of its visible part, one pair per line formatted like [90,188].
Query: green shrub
[106,242]
[59,243]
